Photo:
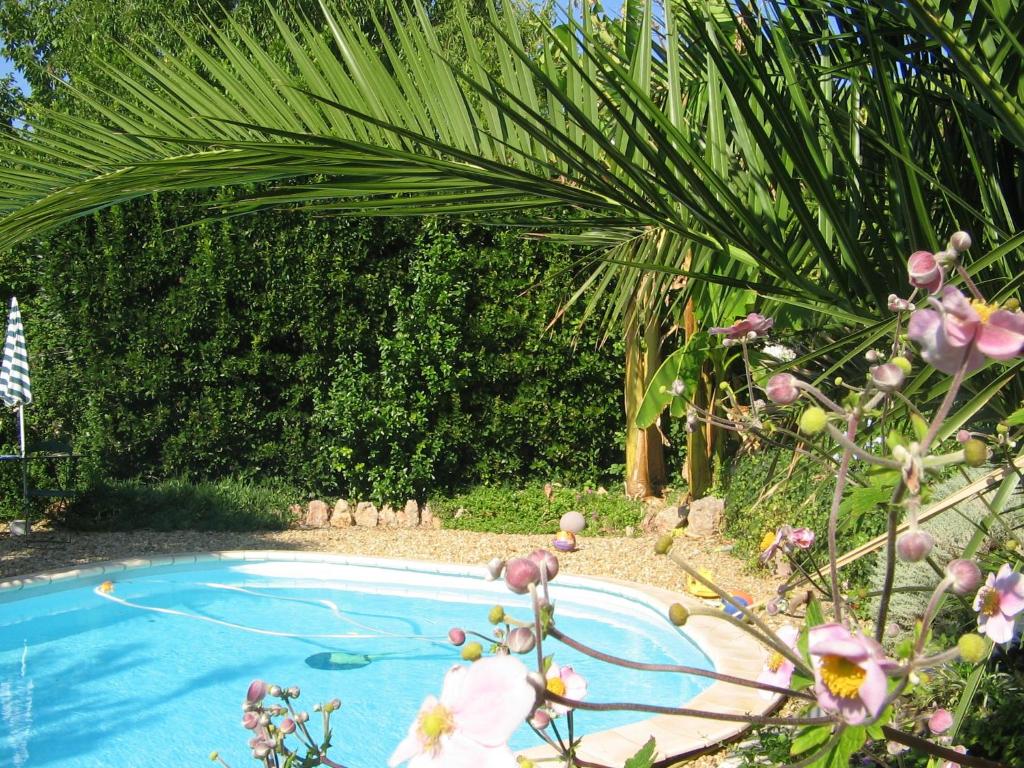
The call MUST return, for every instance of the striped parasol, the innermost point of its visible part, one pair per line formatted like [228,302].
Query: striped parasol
[15,385]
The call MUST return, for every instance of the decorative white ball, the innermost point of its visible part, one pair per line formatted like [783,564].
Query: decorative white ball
[573,522]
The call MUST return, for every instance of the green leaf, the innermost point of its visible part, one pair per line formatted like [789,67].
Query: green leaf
[920,426]
[849,742]
[809,738]
[1016,418]
[684,364]
[644,758]
[815,616]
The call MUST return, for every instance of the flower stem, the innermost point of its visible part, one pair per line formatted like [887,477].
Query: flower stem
[833,515]
[930,748]
[619,661]
[657,709]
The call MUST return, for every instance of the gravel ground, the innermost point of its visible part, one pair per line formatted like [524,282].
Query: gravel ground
[631,559]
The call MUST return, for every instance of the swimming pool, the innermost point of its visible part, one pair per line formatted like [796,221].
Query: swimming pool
[156,672]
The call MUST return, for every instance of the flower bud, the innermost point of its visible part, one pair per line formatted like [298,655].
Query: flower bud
[302,717]
[214,757]
[973,648]
[677,388]
[497,615]
[456,636]
[274,690]
[914,546]
[896,304]
[940,721]
[250,720]
[494,568]
[677,614]
[960,242]
[260,751]
[334,704]
[813,420]
[966,576]
[924,271]
[287,726]
[472,651]
[887,377]
[962,436]
[540,720]
[521,574]
[773,607]
[257,690]
[975,452]
[903,364]
[663,544]
[293,692]
[545,559]
[781,388]
[264,719]
[521,640]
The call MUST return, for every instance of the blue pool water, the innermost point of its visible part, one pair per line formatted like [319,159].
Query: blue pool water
[87,682]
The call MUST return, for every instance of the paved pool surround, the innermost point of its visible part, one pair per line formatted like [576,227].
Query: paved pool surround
[730,650]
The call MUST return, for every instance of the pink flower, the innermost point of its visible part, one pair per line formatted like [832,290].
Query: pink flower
[564,681]
[924,271]
[740,330]
[778,670]
[802,538]
[961,330]
[940,721]
[470,725]
[257,691]
[782,388]
[998,602]
[250,720]
[849,673]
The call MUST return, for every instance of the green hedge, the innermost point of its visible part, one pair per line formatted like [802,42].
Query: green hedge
[375,358]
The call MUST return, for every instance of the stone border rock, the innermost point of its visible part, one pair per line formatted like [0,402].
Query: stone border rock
[344,514]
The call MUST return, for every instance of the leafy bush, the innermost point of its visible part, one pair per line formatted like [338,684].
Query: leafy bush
[226,505]
[502,509]
[376,358]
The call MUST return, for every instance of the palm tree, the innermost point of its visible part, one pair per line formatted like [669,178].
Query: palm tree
[697,147]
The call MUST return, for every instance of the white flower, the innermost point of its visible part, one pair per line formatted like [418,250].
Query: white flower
[779,352]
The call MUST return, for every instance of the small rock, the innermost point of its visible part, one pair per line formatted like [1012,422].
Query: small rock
[341,517]
[427,517]
[317,514]
[705,518]
[660,521]
[410,516]
[387,516]
[366,514]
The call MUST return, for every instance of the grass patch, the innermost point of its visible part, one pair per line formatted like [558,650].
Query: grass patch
[224,505]
[502,509]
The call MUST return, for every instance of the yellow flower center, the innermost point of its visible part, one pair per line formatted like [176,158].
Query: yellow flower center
[989,601]
[434,724]
[767,540]
[775,661]
[841,676]
[984,310]
[556,686]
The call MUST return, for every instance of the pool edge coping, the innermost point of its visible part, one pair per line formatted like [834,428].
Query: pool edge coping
[729,649]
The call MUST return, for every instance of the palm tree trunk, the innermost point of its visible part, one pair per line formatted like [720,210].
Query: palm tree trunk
[699,442]
[645,454]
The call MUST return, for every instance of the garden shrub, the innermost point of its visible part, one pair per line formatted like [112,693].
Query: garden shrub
[503,509]
[225,505]
[376,358]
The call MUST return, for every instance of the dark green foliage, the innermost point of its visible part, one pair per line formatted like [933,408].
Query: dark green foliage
[226,505]
[371,358]
[500,509]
